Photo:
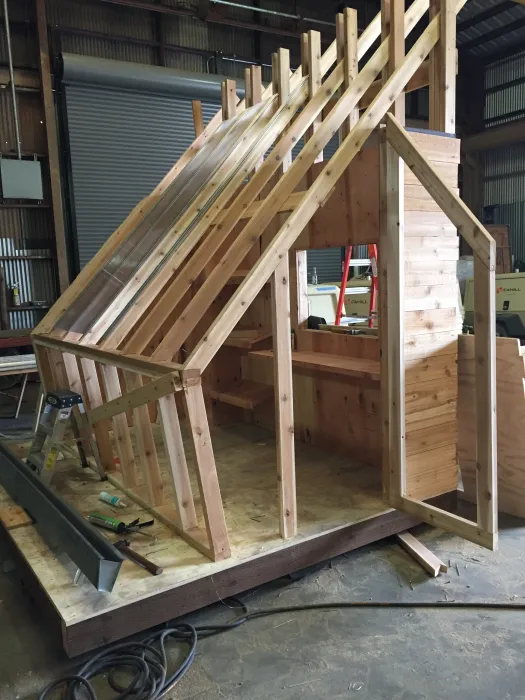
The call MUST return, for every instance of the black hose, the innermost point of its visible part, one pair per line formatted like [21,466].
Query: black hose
[147,660]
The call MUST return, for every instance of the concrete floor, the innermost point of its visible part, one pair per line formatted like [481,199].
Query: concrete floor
[367,654]
[373,654]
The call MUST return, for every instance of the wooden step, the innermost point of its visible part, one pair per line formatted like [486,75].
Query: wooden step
[245,394]
[332,364]
[247,339]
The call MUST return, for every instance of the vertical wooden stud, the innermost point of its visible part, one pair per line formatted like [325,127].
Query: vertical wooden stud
[228,99]
[120,428]
[442,70]
[256,84]
[169,421]
[391,323]
[485,352]
[282,361]
[314,78]
[207,473]
[396,51]
[283,388]
[347,40]
[93,398]
[283,87]
[248,88]
[146,445]
[52,147]
[198,123]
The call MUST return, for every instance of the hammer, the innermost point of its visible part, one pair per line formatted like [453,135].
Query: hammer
[123,546]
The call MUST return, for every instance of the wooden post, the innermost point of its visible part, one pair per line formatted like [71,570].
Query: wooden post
[146,445]
[93,397]
[256,84]
[169,421]
[282,360]
[228,99]
[442,89]
[120,428]
[247,88]
[347,44]
[486,428]
[198,123]
[314,78]
[52,147]
[391,321]
[207,473]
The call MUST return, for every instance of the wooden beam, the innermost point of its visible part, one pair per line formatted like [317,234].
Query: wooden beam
[27,79]
[366,41]
[499,136]
[428,560]
[396,51]
[347,38]
[228,99]
[442,92]
[178,467]
[247,88]
[284,399]
[52,147]
[146,444]
[216,280]
[282,365]
[207,473]
[93,398]
[144,366]
[391,324]
[467,224]
[198,123]
[314,79]
[320,189]
[283,88]
[120,429]
[486,426]
[139,396]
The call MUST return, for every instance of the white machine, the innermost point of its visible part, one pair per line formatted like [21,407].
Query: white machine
[322,301]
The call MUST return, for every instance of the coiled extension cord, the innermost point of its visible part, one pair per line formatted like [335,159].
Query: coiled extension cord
[146,661]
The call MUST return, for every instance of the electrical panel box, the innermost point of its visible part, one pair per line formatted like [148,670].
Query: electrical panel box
[21,179]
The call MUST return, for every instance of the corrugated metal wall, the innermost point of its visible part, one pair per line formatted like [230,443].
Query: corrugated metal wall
[505,167]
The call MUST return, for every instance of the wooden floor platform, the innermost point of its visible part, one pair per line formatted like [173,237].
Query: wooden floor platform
[339,508]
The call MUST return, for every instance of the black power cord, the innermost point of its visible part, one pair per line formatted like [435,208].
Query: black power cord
[147,660]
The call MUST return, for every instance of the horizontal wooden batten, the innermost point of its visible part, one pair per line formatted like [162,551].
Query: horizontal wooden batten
[140,365]
[430,399]
[423,272]
[437,343]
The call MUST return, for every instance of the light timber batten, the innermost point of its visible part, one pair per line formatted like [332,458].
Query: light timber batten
[207,338]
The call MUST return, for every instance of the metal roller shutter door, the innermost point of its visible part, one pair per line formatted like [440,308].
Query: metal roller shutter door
[121,145]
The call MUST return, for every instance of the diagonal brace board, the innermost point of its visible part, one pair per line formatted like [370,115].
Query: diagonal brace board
[316,195]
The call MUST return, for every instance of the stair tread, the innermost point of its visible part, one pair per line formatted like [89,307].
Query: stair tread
[245,394]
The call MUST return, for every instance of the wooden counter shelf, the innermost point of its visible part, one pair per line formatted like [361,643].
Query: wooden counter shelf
[332,364]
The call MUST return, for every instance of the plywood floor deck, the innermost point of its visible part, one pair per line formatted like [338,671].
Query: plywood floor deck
[332,493]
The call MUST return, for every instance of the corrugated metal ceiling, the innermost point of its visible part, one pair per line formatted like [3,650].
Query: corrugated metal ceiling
[502,26]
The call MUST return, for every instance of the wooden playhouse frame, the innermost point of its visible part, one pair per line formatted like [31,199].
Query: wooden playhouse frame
[152,338]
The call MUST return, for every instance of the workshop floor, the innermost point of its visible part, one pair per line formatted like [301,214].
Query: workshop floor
[376,654]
